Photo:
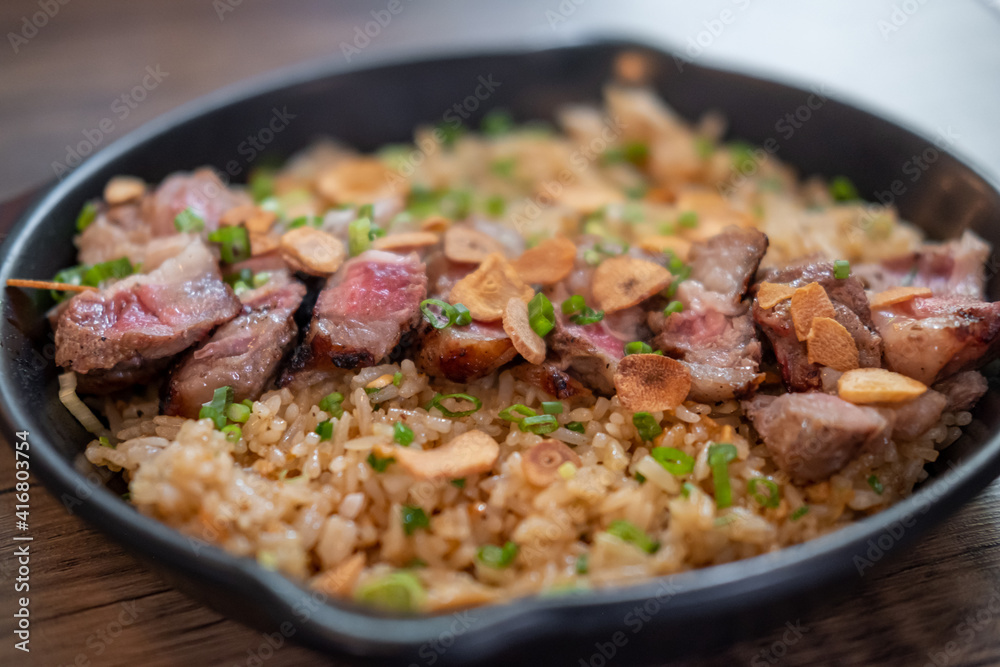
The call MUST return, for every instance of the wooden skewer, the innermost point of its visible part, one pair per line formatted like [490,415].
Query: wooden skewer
[45,284]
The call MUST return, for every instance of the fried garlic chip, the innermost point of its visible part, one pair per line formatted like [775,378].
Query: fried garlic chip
[516,323]
[830,344]
[467,454]
[548,262]
[894,295]
[486,291]
[541,463]
[469,246]
[770,295]
[312,251]
[651,382]
[809,302]
[877,385]
[622,282]
[405,241]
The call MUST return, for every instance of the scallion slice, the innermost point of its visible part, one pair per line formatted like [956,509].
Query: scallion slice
[539,424]
[188,221]
[238,412]
[841,269]
[87,216]
[232,432]
[719,456]
[769,498]
[638,347]
[436,402]
[115,268]
[629,532]
[541,314]
[646,425]
[576,427]
[516,412]
[799,513]
[395,592]
[462,315]
[843,190]
[688,219]
[234,243]
[414,518]
[552,407]
[496,123]
[673,307]
[497,557]
[378,463]
[673,460]
[876,484]
[325,430]
[402,434]
[359,234]
[216,408]
[331,404]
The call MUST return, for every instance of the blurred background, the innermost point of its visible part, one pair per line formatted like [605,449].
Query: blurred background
[68,65]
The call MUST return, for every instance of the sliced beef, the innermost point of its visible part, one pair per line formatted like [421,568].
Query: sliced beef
[852,311]
[963,390]
[552,381]
[930,339]
[913,418]
[243,353]
[202,191]
[714,334]
[363,312]
[464,353]
[145,318]
[811,436]
[955,268]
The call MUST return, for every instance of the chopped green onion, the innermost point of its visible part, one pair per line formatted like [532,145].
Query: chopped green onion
[516,412]
[233,433]
[234,243]
[261,183]
[331,404]
[636,152]
[588,316]
[402,434]
[372,390]
[629,532]
[436,402]
[455,204]
[415,563]
[238,413]
[397,379]
[450,132]
[841,269]
[216,408]
[462,315]
[441,321]
[646,425]
[247,402]
[576,427]
[743,158]
[719,456]
[397,591]
[496,206]
[325,430]
[375,232]
[71,276]
[503,168]
[378,463]
[359,235]
[541,314]
[497,122]
[188,221]
[673,307]
[414,518]
[772,498]
[637,347]
[458,483]
[876,485]
[497,557]
[104,441]
[688,219]
[303,220]
[800,512]
[582,564]
[842,189]
[632,212]
[116,268]
[539,424]
[552,407]
[686,489]
[592,257]
[242,276]
[573,305]
[639,477]
[673,460]
[636,192]
[704,147]
[87,216]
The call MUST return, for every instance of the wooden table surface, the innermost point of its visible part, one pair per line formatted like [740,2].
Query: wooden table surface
[94,604]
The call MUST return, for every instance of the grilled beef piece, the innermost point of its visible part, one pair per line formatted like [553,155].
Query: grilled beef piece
[202,191]
[933,338]
[552,381]
[913,418]
[955,268]
[463,353]
[813,435]
[714,334]
[963,390]
[852,311]
[243,353]
[144,318]
[363,312]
